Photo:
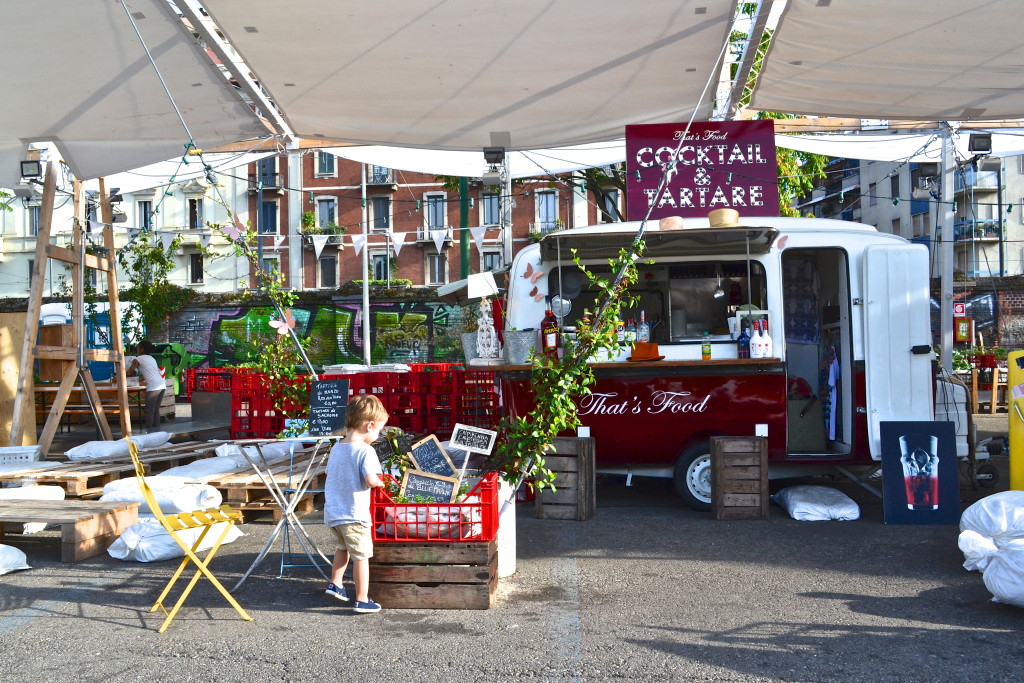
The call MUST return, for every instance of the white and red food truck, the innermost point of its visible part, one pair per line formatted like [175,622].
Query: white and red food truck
[847,309]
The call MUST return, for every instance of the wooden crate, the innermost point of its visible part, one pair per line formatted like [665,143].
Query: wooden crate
[575,496]
[434,575]
[87,527]
[739,477]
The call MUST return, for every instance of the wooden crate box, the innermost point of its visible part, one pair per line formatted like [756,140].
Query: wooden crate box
[575,497]
[739,477]
[434,575]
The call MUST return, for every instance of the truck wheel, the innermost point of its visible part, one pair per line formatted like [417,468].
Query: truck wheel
[693,477]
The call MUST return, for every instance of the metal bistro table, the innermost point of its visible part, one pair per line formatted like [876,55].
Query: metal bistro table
[287,497]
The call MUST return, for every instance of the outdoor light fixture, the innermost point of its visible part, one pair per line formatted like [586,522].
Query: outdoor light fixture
[491,178]
[980,143]
[32,169]
[928,169]
[494,155]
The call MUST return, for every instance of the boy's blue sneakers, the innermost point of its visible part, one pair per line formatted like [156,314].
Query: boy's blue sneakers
[367,607]
[338,592]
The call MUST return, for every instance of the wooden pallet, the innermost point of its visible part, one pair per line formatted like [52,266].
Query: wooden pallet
[86,478]
[434,575]
[575,495]
[739,477]
[87,527]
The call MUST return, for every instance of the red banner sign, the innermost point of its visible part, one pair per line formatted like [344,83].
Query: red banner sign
[718,165]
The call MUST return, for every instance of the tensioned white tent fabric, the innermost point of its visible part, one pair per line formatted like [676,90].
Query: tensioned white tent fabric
[950,60]
[887,147]
[523,164]
[76,74]
[464,74]
[165,172]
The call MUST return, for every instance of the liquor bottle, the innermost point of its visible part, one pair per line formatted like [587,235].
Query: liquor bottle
[766,340]
[755,341]
[630,331]
[620,332]
[584,322]
[550,333]
[743,342]
[643,330]
[705,347]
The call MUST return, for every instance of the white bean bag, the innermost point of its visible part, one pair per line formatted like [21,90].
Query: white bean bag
[173,494]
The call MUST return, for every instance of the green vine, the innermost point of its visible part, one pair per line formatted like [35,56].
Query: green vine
[558,382]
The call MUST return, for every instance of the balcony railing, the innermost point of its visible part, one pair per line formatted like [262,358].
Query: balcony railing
[270,181]
[544,227]
[425,233]
[380,175]
[988,229]
[975,180]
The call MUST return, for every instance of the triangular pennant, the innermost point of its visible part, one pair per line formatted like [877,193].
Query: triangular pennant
[399,239]
[204,241]
[166,239]
[358,241]
[280,238]
[95,226]
[319,242]
[438,237]
[478,236]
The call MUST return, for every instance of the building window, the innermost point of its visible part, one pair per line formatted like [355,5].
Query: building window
[146,215]
[271,264]
[380,175]
[195,269]
[326,212]
[328,272]
[33,221]
[31,271]
[894,186]
[380,214]
[196,214]
[491,260]
[872,194]
[610,206]
[492,209]
[381,266]
[268,218]
[324,163]
[896,227]
[435,212]
[436,269]
[921,224]
[267,172]
[547,211]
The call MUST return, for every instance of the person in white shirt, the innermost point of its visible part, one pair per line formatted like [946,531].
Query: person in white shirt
[154,381]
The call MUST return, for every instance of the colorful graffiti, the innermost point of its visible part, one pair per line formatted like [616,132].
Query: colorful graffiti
[399,333]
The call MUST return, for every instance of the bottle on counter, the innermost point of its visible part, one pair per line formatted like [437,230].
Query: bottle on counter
[584,323]
[643,330]
[755,340]
[620,332]
[705,347]
[630,331]
[743,342]
[766,340]
[550,333]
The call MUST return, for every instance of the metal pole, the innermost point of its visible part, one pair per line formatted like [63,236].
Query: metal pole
[999,214]
[946,252]
[259,227]
[366,270]
[464,227]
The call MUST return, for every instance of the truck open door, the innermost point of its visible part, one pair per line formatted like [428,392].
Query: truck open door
[897,337]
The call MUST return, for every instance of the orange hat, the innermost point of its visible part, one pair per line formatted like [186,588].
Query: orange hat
[643,351]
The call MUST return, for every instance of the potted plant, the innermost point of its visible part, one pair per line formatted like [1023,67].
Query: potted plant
[468,327]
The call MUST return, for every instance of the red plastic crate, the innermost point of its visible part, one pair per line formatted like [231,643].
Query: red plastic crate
[442,382]
[412,424]
[440,424]
[437,522]
[434,367]
[474,381]
[408,382]
[439,401]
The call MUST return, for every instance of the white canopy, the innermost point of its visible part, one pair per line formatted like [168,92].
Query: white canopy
[76,74]
[949,60]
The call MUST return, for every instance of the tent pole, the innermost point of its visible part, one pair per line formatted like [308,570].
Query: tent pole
[366,269]
[946,251]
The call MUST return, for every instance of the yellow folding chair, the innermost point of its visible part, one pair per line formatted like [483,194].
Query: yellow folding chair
[197,519]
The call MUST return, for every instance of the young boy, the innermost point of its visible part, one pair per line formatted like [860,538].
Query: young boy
[352,470]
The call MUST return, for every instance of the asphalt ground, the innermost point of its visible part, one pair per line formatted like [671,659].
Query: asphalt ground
[646,590]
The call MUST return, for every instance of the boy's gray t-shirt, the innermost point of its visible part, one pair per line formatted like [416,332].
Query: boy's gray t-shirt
[346,495]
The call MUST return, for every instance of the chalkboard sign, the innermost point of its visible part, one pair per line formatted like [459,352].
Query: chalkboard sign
[429,487]
[328,402]
[473,439]
[428,456]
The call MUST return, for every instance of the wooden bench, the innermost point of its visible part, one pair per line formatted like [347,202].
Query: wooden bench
[87,527]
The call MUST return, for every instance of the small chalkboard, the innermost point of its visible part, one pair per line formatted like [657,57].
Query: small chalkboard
[473,439]
[328,402]
[384,449]
[428,456]
[429,487]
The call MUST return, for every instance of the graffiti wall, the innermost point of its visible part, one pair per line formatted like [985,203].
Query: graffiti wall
[400,332]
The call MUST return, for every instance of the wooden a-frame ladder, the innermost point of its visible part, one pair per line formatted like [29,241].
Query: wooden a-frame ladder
[78,354]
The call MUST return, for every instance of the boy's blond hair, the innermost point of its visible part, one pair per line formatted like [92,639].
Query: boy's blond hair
[363,408]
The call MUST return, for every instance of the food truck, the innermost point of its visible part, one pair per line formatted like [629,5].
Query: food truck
[847,309]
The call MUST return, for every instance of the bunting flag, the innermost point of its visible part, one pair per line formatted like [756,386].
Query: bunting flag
[233,231]
[358,241]
[438,237]
[204,241]
[166,239]
[280,238]
[96,226]
[399,239]
[319,242]
[478,237]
